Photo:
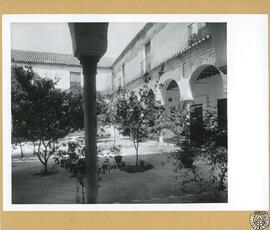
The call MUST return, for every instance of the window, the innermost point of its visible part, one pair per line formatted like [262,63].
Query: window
[147,57]
[120,83]
[146,62]
[193,29]
[75,81]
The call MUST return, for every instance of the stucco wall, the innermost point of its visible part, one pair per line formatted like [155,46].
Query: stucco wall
[104,79]
[133,67]
[168,41]
[62,72]
[132,59]
[54,71]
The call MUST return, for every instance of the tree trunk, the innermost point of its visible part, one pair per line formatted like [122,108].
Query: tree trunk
[114,135]
[45,159]
[45,167]
[137,154]
[161,140]
[21,147]
[137,158]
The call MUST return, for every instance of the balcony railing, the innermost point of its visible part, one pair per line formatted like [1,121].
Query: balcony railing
[202,32]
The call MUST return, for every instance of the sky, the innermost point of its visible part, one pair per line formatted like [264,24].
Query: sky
[55,37]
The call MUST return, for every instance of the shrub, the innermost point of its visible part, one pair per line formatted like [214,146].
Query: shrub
[212,149]
[148,166]
[74,162]
[141,163]
[142,167]
[122,165]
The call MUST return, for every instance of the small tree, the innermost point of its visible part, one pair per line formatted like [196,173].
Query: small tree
[214,147]
[137,115]
[178,121]
[211,149]
[43,112]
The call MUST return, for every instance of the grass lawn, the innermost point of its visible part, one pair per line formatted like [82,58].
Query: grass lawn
[157,185]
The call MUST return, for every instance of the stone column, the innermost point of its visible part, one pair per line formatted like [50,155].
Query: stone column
[89,64]
[89,42]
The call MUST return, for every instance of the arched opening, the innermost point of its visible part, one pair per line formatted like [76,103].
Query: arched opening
[151,97]
[206,86]
[171,95]
[151,94]
[171,100]
[207,89]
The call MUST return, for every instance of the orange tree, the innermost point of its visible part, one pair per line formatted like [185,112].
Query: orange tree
[41,113]
[137,114]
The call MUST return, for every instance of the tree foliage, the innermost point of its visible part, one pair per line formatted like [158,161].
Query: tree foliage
[136,114]
[73,161]
[19,121]
[41,113]
[211,150]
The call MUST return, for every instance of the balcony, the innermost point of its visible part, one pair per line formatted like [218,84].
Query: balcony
[195,37]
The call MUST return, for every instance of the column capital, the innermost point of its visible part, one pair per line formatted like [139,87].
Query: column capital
[89,64]
[88,59]
[88,38]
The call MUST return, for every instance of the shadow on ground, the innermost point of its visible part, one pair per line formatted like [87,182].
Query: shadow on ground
[157,185]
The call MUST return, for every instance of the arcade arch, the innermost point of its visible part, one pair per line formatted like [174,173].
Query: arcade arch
[208,88]
[171,94]
[206,85]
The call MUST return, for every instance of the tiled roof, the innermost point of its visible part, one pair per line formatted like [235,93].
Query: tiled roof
[27,56]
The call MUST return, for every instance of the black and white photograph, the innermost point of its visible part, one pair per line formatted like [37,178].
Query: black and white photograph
[119,113]
[132,114]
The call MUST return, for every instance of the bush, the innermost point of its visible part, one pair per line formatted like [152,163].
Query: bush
[74,162]
[148,166]
[141,163]
[187,154]
[211,150]
[187,161]
[132,169]
[142,167]
[122,165]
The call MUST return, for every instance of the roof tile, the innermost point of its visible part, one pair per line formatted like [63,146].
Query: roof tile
[52,58]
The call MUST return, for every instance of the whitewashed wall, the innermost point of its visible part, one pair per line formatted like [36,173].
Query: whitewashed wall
[62,72]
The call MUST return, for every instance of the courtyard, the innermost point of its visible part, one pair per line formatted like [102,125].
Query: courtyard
[157,185]
[166,115]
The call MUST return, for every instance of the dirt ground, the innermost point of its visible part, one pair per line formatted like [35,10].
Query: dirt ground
[157,185]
